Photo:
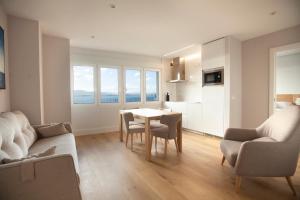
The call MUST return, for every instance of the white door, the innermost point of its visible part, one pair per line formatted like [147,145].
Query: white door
[194,116]
[284,77]
[213,110]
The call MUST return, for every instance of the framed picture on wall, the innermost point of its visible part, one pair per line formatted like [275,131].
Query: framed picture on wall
[2,67]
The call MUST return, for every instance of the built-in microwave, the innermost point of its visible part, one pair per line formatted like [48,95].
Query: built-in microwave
[213,77]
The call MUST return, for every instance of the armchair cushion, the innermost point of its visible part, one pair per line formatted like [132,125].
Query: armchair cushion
[241,135]
[230,150]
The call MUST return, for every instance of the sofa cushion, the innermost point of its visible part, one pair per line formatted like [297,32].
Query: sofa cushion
[230,150]
[65,144]
[16,135]
[52,130]
[47,152]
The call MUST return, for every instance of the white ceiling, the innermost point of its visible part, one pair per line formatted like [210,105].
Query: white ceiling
[155,27]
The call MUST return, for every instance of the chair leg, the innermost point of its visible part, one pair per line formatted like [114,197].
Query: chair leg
[131,141]
[155,143]
[223,160]
[289,180]
[166,147]
[141,137]
[238,181]
[126,139]
[176,145]
[151,142]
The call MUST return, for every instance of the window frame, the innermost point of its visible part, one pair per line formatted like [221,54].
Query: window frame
[141,85]
[95,79]
[119,84]
[159,85]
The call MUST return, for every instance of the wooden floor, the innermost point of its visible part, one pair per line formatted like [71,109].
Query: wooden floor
[108,170]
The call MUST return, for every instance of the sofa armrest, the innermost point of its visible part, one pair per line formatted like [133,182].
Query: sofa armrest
[241,135]
[50,177]
[267,159]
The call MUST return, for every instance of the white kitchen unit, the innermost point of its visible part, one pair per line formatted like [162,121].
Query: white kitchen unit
[213,54]
[211,109]
[191,113]
[194,116]
[178,107]
[222,103]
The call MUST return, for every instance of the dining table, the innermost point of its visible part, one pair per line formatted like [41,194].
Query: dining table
[147,115]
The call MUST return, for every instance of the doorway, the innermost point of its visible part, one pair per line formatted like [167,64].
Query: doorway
[284,77]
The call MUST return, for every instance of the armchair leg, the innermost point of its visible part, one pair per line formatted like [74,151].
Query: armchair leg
[141,137]
[289,180]
[223,160]
[238,181]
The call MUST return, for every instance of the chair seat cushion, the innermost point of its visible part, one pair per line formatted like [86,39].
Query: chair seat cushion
[136,128]
[161,131]
[155,124]
[230,150]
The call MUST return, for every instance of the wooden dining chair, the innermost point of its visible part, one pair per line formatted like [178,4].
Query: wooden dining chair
[167,130]
[132,127]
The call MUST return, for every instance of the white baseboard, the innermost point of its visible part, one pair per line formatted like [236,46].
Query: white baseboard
[79,132]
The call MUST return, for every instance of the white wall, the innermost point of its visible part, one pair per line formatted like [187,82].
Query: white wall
[255,73]
[89,119]
[25,67]
[288,74]
[4,94]
[56,79]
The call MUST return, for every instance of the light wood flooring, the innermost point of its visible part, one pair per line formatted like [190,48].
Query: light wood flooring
[109,170]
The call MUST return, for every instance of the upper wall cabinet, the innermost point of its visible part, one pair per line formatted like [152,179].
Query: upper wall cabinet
[213,54]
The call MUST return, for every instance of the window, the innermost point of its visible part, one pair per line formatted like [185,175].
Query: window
[109,86]
[152,85]
[132,85]
[83,85]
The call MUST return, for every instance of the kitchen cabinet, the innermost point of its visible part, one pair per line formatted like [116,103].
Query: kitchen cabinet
[178,107]
[213,110]
[213,54]
[191,113]
[194,116]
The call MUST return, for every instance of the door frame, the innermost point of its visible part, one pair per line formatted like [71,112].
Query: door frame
[272,72]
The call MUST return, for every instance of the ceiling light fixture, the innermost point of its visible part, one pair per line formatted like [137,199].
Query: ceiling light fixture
[273,13]
[112,5]
[92,36]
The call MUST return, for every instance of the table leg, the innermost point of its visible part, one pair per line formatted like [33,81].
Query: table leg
[179,134]
[121,128]
[147,139]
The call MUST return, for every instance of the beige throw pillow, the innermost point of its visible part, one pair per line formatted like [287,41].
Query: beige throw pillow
[53,130]
[48,152]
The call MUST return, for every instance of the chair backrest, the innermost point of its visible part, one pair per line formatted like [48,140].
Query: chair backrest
[284,125]
[127,117]
[171,121]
